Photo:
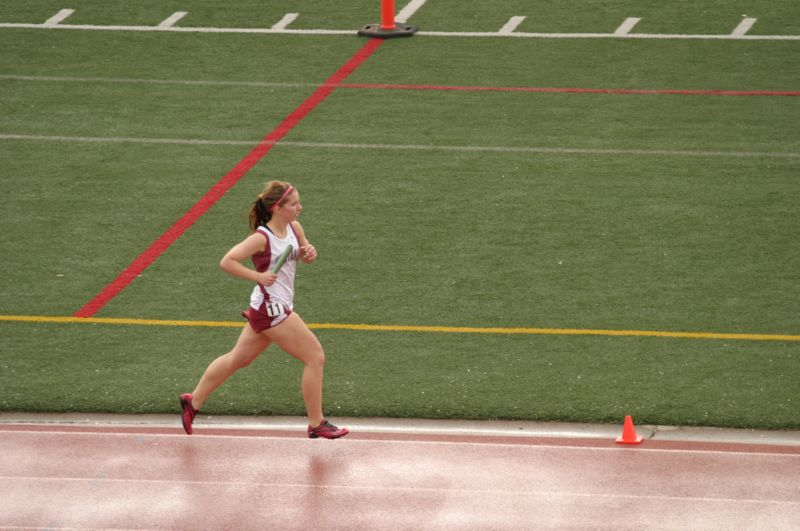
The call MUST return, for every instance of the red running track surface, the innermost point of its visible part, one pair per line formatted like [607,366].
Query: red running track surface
[159,478]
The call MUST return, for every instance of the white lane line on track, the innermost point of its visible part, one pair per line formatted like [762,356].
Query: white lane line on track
[173,19]
[211,436]
[524,492]
[410,147]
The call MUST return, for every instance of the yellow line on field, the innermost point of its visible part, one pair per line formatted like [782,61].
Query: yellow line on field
[409,328]
[559,332]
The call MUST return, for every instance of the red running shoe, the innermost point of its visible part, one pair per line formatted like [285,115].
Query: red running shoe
[327,431]
[189,412]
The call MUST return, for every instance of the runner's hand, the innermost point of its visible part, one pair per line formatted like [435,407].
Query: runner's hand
[308,253]
[267,278]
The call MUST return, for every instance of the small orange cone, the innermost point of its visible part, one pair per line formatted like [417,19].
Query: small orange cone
[629,433]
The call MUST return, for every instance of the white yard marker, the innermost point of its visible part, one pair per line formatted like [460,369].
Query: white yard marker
[744,26]
[172,19]
[627,26]
[287,19]
[511,25]
[621,33]
[408,11]
[58,17]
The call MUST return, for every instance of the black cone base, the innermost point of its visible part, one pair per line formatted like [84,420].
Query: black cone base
[376,31]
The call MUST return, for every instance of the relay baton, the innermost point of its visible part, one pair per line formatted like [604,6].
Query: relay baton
[282,259]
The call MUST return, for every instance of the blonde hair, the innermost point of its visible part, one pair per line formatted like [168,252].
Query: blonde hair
[261,210]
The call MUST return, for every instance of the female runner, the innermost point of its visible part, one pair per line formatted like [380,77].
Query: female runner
[270,319]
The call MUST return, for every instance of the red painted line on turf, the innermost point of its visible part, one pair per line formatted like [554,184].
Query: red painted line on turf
[141,262]
[567,90]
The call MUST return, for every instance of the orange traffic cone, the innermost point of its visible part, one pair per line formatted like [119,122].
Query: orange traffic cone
[388,28]
[629,433]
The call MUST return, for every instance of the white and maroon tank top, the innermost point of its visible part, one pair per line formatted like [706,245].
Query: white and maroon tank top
[283,289]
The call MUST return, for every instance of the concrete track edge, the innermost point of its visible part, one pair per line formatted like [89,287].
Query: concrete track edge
[420,426]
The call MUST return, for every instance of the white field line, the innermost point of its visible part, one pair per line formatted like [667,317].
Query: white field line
[267,84]
[744,26]
[511,25]
[58,17]
[287,19]
[657,36]
[522,35]
[627,26]
[130,140]
[409,147]
[408,11]
[177,29]
[205,82]
[172,19]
